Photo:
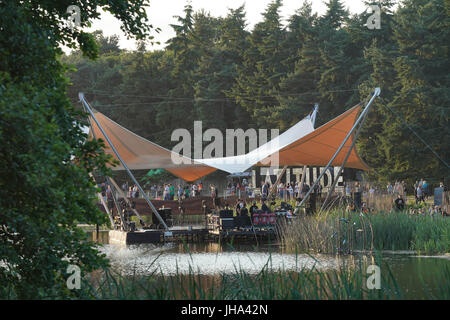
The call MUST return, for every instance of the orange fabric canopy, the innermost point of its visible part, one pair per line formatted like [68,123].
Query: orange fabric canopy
[313,149]
[139,153]
[318,147]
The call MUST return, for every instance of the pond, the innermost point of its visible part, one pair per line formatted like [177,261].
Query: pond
[411,271]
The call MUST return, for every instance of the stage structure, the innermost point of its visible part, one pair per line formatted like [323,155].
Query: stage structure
[301,145]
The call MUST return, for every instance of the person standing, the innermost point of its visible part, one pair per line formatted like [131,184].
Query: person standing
[419,193]
[425,190]
[109,198]
[200,188]
[136,191]
[253,209]
[103,188]
[180,191]
[166,192]
[290,192]
[389,188]
[171,192]
[348,190]
[265,190]
[239,206]
[371,191]
[281,190]
[400,203]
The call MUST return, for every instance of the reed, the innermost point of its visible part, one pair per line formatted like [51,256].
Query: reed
[348,282]
[341,232]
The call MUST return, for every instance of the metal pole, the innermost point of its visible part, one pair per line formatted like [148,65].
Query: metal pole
[361,116]
[99,195]
[123,195]
[313,120]
[314,114]
[345,161]
[88,108]
[116,204]
[274,187]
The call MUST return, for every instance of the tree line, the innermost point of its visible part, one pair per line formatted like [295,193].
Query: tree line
[216,70]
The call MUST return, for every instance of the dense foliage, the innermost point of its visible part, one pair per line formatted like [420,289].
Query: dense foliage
[214,69]
[45,160]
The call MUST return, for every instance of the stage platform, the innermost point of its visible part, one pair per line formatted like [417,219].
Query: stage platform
[187,234]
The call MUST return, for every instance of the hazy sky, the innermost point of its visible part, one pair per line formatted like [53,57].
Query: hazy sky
[161,14]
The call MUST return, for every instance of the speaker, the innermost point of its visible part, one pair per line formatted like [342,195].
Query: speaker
[226,214]
[227,223]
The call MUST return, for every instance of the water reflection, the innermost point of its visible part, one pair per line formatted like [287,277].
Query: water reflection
[209,259]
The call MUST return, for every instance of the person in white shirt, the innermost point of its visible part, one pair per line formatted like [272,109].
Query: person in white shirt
[291,192]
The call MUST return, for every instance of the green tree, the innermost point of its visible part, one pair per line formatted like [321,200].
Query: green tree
[177,109]
[422,99]
[380,51]
[45,186]
[409,59]
[298,89]
[217,72]
[262,69]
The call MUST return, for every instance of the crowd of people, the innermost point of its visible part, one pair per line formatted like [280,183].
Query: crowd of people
[241,188]
[422,189]
[285,191]
[432,210]
[289,191]
[240,207]
[169,191]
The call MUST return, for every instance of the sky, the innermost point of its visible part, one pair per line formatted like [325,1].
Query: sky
[161,14]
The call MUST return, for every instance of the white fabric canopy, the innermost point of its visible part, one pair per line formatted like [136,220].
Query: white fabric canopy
[268,151]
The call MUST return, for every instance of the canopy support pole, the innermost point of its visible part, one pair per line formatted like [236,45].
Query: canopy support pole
[123,195]
[344,162]
[116,204]
[313,120]
[100,198]
[302,180]
[274,187]
[376,93]
[88,108]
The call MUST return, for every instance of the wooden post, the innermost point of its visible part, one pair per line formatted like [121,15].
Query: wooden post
[274,187]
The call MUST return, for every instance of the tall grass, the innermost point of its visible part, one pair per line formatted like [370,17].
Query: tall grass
[345,283]
[340,232]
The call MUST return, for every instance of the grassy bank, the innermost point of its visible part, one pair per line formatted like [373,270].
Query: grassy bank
[340,232]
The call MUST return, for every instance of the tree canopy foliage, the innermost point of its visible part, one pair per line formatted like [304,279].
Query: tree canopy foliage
[46,160]
[214,69]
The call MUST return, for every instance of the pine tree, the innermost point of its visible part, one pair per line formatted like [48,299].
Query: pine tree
[379,55]
[298,90]
[177,110]
[259,76]
[217,72]
[336,80]
[422,100]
